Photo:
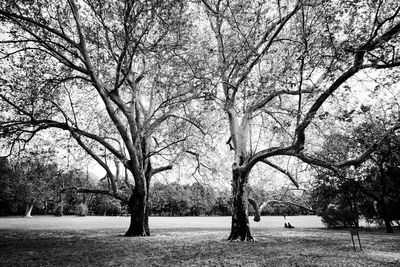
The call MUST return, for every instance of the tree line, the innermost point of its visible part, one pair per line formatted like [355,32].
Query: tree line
[34,186]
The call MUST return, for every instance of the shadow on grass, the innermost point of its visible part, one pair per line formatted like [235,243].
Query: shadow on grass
[196,247]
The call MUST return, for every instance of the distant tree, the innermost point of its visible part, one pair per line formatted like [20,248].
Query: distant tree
[222,204]
[201,198]
[282,201]
[176,199]
[159,199]
[105,205]
[30,180]
[69,200]
[8,201]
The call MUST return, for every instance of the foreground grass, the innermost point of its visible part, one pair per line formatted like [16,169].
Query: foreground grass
[196,247]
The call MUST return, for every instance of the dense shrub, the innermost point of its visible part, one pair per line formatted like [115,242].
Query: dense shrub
[105,205]
[337,216]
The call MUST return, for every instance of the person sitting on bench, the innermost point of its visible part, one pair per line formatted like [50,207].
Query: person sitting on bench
[289,226]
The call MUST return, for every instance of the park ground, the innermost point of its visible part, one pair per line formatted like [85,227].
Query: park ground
[188,241]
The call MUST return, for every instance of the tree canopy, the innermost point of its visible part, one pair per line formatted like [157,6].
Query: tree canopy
[142,83]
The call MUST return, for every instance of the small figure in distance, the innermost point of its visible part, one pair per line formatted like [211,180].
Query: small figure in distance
[286,226]
[284,216]
[289,226]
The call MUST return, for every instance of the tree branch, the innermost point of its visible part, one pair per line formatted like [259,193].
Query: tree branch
[279,24]
[357,65]
[287,203]
[273,95]
[288,174]
[160,169]
[124,199]
[10,15]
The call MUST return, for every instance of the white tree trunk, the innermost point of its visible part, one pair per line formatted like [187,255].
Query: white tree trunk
[29,207]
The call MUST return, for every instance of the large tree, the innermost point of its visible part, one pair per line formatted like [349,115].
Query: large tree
[111,74]
[277,64]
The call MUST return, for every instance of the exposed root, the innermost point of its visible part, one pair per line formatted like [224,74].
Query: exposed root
[237,238]
[136,232]
[128,234]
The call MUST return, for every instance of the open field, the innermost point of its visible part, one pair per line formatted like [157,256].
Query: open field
[187,241]
[98,222]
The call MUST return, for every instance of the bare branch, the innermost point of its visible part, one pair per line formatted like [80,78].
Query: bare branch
[357,65]
[268,41]
[260,104]
[288,174]
[124,199]
[17,18]
[93,155]
[160,169]
[209,7]
[287,203]
[256,209]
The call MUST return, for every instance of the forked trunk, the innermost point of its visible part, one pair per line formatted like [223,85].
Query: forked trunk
[240,228]
[29,207]
[137,204]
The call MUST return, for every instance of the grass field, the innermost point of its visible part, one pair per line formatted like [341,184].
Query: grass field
[187,241]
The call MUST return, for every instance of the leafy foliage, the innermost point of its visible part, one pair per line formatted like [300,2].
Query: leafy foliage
[82,210]
[33,177]
[370,190]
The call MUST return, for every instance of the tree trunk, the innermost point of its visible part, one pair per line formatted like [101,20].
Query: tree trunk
[356,218]
[137,204]
[385,216]
[353,211]
[240,227]
[29,207]
[388,225]
[383,203]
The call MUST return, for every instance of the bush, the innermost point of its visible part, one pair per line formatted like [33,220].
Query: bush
[105,205]
[337,216]
[82,210]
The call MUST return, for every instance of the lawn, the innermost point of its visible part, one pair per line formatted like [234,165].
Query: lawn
[187,241]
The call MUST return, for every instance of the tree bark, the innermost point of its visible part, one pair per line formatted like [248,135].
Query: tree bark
[139,225]
[356,217]
[29,207]
[240,228]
